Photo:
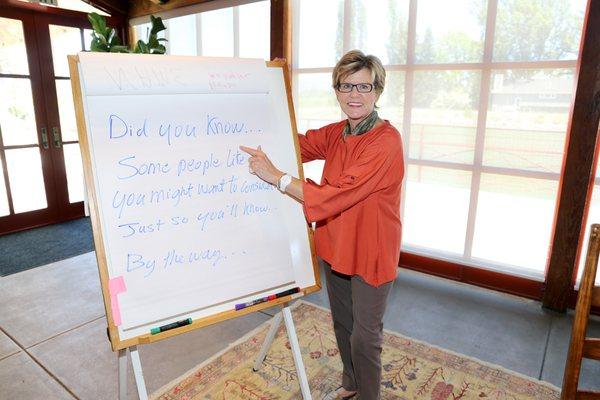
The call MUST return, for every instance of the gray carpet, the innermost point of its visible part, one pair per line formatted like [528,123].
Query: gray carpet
[40,246]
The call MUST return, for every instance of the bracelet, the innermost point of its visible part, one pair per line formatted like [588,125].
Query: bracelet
[284,182]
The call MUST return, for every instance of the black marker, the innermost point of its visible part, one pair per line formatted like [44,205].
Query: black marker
[172,325]
[287,292]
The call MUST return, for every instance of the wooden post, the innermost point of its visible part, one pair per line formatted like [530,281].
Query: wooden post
[281,30]
[578,166]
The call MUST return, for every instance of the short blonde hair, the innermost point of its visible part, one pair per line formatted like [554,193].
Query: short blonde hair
[355,60]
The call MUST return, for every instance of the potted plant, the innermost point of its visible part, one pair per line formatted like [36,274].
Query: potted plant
[105,39]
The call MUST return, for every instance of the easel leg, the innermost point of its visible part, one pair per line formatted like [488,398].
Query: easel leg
[137,372]
[291,330]
[286,314]
[123,374]
[275,322]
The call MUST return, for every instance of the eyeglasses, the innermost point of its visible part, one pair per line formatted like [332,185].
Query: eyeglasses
[360,87]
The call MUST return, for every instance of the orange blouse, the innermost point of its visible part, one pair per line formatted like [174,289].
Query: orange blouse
[357,205]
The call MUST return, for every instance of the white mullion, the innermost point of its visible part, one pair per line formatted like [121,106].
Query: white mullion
[484,96]
[199,34]
[313,70]
[167,34]
[465,66]
[408,93]
[347,28]
[236,31]
[296,13]
[498,65]
[523,173]
[295,50]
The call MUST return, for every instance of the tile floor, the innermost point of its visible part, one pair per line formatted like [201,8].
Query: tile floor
[53,342]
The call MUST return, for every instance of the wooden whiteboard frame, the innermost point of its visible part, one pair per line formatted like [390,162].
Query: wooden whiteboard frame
[113,333]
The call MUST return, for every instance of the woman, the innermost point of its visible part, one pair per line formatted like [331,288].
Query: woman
[357,213]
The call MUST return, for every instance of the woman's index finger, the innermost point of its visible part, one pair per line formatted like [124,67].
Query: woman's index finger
[249,150]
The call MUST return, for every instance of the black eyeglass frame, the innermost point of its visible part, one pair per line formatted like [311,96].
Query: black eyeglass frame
[351,86]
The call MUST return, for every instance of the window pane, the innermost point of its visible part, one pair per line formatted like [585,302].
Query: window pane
[530,30]
[66,110]
[391,102]
[182,36]
[74,168]
[592,218]
[527,119]
[426,222]
[142,31]
[13,55]
[26,180]
[4,209]
[255,30]
[65,41]
[217,33]
[380,28]
[450,31]
[317,105]
[321,32]
[444,116]
[87,39]
[17,116]
[514,222]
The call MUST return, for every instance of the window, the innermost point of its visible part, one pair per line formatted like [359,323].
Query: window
[240,31]
[481,93]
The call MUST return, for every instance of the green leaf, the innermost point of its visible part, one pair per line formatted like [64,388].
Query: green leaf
[114,40]
[160,49]
[119,49]
[153,41]
[102,39]
[98,23]
[157,25]
[97,45]
[141,47]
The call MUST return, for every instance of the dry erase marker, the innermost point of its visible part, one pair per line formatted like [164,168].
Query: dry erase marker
[172,325]
[241,306]
[287,292]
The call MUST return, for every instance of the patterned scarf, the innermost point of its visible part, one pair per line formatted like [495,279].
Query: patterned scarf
[363,126]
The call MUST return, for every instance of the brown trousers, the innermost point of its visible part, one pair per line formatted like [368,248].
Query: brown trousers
[357,310]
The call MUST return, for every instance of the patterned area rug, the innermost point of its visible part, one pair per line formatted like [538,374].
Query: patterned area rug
[412,369]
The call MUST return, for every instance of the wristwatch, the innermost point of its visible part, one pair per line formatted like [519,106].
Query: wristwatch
[283,182]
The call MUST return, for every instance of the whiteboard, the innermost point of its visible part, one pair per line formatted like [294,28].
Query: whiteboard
[182,229]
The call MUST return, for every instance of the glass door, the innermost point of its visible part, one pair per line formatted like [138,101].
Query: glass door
[41,175]
[62,36]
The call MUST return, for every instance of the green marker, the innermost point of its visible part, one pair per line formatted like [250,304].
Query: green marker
[172,325]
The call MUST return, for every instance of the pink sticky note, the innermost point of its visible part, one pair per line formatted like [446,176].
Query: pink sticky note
[116,286]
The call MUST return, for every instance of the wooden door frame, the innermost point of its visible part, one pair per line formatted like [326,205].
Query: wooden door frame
[14,222]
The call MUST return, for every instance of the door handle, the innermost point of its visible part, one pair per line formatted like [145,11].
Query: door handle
[45,138]
[56,138]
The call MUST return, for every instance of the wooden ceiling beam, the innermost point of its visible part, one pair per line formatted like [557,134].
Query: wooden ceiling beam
[110,6]
[140,8]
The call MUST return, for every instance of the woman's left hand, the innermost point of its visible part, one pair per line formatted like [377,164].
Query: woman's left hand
[260,165]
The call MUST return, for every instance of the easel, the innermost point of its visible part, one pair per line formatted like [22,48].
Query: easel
[582,346]
[285,313]
[280,82]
